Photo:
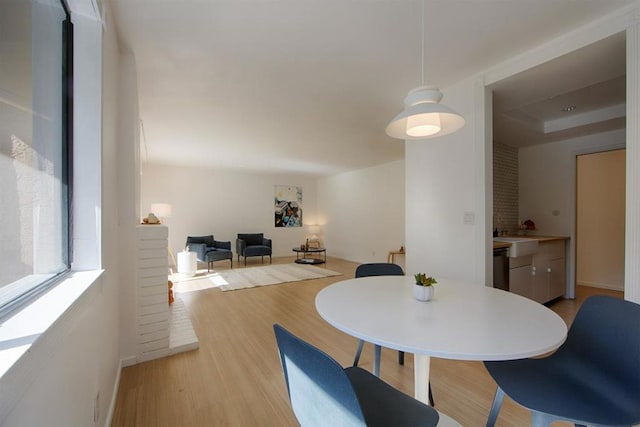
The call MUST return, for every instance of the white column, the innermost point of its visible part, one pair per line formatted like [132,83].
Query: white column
[632,243]
[152,306]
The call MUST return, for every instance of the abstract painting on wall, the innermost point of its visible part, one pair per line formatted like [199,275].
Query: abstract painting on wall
[288,206]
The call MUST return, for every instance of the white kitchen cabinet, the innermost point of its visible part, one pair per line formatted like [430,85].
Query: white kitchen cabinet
[520,277]
[520,281]
[557,278]
[548,271]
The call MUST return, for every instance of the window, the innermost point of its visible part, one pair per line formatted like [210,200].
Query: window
[35,146]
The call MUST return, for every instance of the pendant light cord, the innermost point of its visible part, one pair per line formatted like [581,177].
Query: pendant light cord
[422,51]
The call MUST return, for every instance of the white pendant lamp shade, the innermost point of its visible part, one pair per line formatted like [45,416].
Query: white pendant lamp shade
[424,117]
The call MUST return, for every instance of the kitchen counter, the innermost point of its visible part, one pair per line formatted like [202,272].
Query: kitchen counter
[497,245]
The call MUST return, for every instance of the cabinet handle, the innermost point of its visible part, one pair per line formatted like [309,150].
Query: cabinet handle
[549,270]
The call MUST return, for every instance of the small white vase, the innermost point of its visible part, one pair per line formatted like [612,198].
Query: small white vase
[423,293]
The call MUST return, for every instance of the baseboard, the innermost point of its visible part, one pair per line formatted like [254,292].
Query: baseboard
[128,361]
[114,396]
[601,286]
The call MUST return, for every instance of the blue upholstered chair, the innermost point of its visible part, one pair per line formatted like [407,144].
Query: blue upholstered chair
[322,393]
[592,379]
[380,269]
[209,250]
[253,244]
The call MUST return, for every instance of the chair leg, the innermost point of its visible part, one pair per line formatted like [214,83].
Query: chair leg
[540,419]
[231,259]
[358,352]
[495,407]
[431,401]
[376,360]
[262,259]
[401,358]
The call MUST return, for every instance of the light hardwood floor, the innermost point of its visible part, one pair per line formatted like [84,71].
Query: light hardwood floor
[235,378]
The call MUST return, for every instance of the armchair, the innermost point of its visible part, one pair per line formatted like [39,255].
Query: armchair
[209,250]
[253,245]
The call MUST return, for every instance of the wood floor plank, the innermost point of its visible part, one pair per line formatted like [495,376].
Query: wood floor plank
[235,378]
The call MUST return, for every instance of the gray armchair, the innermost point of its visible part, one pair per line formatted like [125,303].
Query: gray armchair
[209,250]
[253,245]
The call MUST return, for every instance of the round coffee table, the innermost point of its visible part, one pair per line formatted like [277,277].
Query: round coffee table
[310,260]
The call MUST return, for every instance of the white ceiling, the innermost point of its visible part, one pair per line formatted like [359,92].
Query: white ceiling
[308,86]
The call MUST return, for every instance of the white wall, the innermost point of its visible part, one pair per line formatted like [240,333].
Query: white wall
[108,324]
[445,179]
[547,180]
[126,214]
[223,203]
[600,202]
[362,212]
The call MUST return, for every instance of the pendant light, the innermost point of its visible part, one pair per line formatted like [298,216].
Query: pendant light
[424,117]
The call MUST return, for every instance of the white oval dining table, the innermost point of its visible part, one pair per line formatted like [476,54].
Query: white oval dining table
[463,321]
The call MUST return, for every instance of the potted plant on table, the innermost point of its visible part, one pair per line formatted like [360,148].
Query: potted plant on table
[423,288]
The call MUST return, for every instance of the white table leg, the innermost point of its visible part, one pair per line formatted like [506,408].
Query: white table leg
[421,365]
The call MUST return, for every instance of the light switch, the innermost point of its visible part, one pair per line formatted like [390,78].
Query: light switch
[469,218]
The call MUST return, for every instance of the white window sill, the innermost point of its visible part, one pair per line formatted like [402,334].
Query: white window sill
[20,331]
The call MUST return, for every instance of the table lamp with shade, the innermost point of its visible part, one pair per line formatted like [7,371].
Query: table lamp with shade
[313,239]
[161,210]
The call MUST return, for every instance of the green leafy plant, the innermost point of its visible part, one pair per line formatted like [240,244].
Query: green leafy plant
[424,280]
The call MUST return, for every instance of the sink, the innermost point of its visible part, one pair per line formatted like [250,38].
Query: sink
[520,246]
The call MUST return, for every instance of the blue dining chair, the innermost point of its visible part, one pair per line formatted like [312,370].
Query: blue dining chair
[377,269]
[322,393]
[380,269]
[592,379]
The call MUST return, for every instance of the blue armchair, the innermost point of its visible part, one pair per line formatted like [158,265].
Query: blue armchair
[209,250]
[253,245]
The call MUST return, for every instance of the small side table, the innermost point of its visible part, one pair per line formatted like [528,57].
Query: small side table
[390,258]
[305,260]
[187,263]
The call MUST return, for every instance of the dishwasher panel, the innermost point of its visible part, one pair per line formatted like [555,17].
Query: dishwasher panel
[501,269]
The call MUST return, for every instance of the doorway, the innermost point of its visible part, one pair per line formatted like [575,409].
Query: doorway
[600,219]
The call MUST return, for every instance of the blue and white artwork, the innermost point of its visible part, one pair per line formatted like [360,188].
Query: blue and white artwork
[288,206]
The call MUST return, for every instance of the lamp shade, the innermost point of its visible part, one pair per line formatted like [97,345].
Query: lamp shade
[314,229]
[424,117]
[161,210]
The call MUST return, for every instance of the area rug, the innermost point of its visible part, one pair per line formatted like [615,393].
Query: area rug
[242,278]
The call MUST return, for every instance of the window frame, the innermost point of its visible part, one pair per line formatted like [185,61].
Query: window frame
[27,288]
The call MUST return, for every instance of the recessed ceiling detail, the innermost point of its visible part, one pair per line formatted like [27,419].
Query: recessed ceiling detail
[580,93]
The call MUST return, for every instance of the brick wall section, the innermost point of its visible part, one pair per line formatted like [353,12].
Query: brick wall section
[505,188]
